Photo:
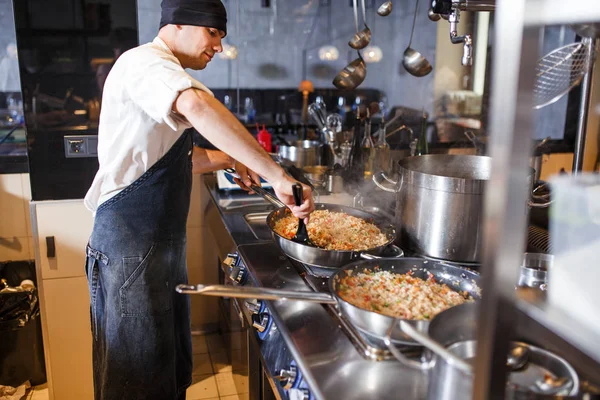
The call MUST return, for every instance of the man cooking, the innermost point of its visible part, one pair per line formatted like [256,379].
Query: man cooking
[141,194]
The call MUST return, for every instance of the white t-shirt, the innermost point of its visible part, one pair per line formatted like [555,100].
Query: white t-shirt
[137,125]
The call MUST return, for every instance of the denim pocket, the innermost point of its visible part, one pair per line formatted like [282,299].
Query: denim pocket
[147,288]
[91,272]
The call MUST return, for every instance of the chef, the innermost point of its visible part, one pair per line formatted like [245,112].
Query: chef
[141,195]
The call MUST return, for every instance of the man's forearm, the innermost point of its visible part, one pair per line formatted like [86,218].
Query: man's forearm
[204,160]
[223,130]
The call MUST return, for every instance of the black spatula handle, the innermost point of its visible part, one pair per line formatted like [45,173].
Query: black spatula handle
[298,195]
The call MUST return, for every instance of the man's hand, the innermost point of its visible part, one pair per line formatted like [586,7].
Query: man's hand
[248,176]
[283,190]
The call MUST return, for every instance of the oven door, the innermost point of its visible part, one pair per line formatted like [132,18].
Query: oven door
[242,346]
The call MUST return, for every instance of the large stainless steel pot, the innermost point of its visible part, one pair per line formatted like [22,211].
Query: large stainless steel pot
[439,205]
[365,319]
[450,340]
[302,153]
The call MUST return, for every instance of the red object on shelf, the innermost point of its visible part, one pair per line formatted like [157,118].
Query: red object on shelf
[264,138]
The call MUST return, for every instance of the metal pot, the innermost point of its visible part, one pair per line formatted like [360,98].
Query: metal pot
[302,153]
[316,174]
[447,383]
[334,182]
[450,340]
[439,205]
[534,270]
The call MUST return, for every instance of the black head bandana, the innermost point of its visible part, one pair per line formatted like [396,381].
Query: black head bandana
[209,13]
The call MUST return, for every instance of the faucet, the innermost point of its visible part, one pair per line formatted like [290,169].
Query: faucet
[466,40]
[450,10]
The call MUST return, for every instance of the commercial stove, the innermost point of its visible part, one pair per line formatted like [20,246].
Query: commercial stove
[304,350]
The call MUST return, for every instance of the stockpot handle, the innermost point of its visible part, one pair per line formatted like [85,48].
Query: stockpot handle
[531,203]
[247,292]
[385,183]
[426,341]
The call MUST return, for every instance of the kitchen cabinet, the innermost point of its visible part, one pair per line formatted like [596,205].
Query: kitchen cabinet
[60,232]
[68,338]
[63,229]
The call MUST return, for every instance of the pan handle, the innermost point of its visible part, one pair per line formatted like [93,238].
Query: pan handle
[421,365]
[399,253]
[256,293]
[389,185]
[435,347]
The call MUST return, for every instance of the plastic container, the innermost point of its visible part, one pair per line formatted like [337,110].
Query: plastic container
[575,238]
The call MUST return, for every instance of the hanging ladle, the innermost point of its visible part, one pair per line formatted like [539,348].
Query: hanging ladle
[385,9]
[352,75]
[413,61]
[361,39]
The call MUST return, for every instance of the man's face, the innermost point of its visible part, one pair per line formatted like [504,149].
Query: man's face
[197,45]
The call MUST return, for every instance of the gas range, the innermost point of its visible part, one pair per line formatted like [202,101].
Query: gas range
[301,343]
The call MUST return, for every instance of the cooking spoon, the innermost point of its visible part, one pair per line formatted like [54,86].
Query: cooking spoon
[361,39]
[385,9]
[301,234]
[413,61]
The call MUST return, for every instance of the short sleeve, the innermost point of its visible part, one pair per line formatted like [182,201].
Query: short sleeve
[153,81]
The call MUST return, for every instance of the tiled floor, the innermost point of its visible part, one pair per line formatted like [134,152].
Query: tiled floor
[212,375]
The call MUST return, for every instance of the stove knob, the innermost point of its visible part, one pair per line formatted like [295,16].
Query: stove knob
[231,260]
[299,394]
[253,307]
[238,274]
[287,377]
[260,321]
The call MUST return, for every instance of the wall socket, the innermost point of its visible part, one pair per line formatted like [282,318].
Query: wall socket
[81,146]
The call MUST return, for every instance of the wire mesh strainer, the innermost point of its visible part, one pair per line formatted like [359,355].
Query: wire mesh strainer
[558,72]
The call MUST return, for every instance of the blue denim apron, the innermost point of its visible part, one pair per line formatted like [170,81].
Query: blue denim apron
[136,256]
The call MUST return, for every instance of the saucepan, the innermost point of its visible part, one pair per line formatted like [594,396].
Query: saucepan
[368,320]
[450,342]
[316,256]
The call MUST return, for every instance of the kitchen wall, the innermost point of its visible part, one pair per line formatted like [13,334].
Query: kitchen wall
[16,241]
[270,43]
[15,228]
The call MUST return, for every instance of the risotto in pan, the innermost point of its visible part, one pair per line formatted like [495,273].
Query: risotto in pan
[335,231]
[399,295]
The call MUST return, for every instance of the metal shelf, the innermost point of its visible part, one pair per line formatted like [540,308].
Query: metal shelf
[503,316]
[553,328]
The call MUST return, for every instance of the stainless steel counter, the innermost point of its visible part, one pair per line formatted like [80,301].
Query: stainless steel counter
[331,365]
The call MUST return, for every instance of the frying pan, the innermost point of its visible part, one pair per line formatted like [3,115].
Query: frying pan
[316,256]
[366,320]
